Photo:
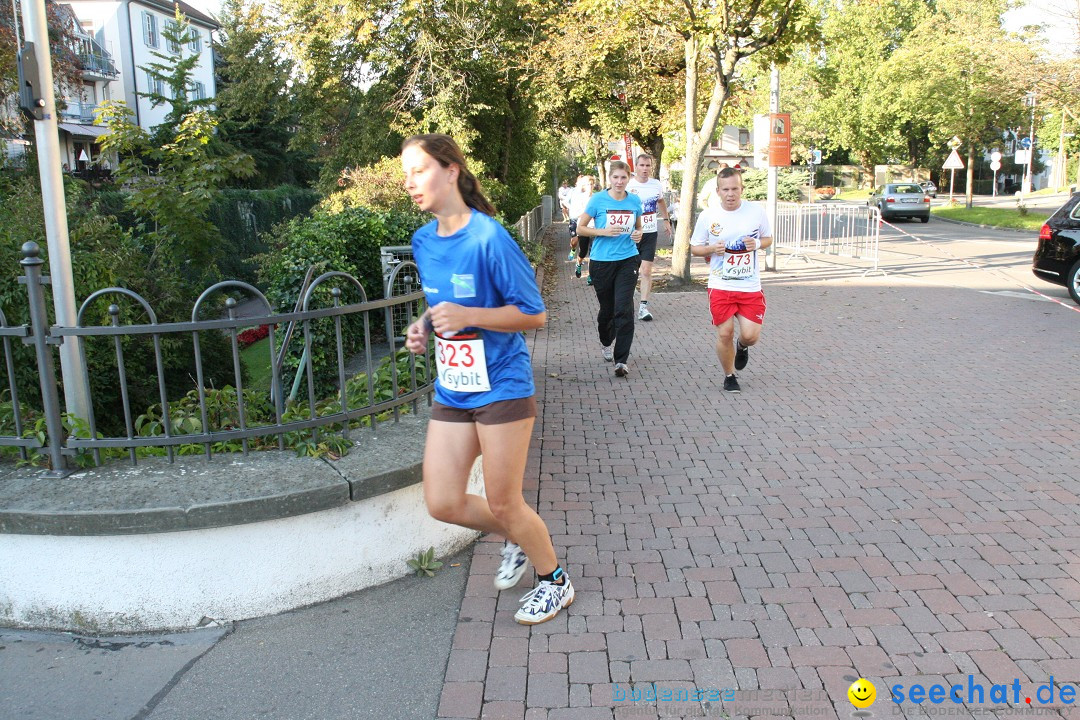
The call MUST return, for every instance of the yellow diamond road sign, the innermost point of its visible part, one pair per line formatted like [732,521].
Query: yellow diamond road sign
[954,162]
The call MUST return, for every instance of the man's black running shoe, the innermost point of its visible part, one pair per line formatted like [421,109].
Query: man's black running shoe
[742,355]
[731,384]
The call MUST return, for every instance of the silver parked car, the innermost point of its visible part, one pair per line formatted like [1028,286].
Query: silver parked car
[896,200]
[929,188]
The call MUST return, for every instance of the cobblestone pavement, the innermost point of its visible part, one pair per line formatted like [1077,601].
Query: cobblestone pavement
[893,495]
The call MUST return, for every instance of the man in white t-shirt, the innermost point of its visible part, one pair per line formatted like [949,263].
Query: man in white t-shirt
[729,233]
[654,212]
[564,199]
[579,199]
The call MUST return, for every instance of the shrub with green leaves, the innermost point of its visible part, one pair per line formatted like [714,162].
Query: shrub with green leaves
[789,184]
[102,255]
[349,242]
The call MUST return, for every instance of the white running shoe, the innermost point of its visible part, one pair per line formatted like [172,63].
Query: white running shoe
[514,564]
[544,602]
[609,352]
[643,312]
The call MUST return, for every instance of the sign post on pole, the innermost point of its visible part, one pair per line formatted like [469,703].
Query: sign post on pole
[953,164]
[995,165]
[773,179]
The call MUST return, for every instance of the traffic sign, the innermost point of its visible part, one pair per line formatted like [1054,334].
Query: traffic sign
[955,143]
[995,165]
[1025,143]
[815,157]
[954,162]
[995,156]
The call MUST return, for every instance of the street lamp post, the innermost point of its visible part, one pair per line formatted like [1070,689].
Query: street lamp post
[36,85]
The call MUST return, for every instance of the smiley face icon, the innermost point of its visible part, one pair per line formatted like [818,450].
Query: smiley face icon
[862,693]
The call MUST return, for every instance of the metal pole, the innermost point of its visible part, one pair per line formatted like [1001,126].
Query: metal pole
[47,138]
[770,203]
[1031,146]
[39,324]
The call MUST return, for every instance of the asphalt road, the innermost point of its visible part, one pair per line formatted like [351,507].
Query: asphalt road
[983,259]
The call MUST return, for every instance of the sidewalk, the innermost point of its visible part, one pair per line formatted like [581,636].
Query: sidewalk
[894,495]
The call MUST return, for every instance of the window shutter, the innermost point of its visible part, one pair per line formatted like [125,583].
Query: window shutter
[150,30]
[174,47]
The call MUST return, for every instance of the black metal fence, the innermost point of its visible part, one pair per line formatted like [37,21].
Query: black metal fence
[411,377]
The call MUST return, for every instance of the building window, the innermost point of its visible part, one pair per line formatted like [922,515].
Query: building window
[156,84]
[196,41]
[744,138]
[173,29]
[150,35]
[198,91]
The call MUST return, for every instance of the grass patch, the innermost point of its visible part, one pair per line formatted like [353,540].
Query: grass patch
[257,358]
[996,217]
[851,195]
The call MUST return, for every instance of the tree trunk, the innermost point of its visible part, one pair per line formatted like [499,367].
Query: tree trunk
[697,140]
[656,149]
[504,164]
[970,175]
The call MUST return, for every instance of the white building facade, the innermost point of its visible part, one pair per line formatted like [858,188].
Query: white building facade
[115,41]
[131,31]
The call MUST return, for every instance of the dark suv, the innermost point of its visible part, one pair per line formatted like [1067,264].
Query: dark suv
[1057,258]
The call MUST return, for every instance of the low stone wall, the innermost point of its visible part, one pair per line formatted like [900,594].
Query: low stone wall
[162,546]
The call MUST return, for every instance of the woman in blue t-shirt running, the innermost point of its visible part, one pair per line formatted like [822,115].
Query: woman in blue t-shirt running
[481,294]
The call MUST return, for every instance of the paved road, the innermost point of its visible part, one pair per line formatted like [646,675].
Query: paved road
[1004,255]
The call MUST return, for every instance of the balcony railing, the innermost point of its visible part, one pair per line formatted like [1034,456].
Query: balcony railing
[78,113]
[99,64]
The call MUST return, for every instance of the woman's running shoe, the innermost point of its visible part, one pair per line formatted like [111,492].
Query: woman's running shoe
[513,566]
[544,602]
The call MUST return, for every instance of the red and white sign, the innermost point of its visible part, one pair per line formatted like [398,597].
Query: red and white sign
[779,139]
[629,151]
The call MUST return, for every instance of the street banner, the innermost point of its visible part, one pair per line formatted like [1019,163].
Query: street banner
[779,139]
[629,151]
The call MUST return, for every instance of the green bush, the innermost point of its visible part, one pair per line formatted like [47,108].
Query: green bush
[789,184]
[347,241]
[242,216]
[102,255]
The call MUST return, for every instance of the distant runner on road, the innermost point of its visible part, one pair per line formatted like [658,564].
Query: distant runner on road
[615,218]
[654,211]
[729,233]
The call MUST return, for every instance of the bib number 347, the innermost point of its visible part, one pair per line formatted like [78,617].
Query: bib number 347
[462,364]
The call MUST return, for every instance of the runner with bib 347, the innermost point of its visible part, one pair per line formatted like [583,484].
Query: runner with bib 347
[481,293]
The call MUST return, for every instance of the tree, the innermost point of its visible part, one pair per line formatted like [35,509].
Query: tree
[67,72]
[256,106]
[174,172]
[611,77]
[968,89]
[716,42]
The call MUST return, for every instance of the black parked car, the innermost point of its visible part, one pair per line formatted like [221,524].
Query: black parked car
[1057,258]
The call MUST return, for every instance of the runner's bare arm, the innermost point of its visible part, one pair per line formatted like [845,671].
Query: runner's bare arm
[451,317]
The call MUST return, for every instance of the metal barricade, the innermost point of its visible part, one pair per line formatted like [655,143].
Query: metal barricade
[851,231]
